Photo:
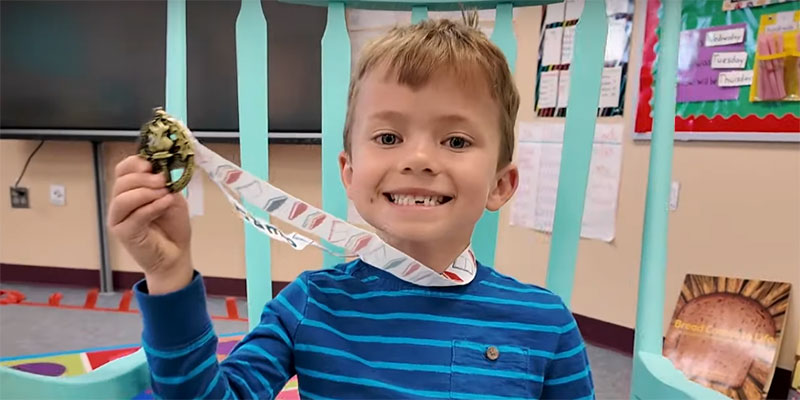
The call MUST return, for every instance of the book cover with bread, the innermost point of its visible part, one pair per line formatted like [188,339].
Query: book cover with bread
[726,333]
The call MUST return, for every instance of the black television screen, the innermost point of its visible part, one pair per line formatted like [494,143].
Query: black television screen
[101,64]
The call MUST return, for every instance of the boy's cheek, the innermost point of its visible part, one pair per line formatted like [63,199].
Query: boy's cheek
[354,191]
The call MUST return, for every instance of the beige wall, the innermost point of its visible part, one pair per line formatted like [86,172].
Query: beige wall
[739,214]
[53,236]
[44,234]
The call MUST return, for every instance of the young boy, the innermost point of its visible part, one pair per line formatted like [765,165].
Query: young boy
[428,144]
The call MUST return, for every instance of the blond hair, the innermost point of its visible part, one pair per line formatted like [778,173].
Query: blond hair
[415,52]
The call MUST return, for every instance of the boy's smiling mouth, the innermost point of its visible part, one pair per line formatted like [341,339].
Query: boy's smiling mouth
[416,198]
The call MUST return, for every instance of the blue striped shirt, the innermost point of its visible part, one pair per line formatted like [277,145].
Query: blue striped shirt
[358,332]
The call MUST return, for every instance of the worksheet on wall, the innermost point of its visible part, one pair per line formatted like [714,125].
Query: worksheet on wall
[539,161]
[556,48]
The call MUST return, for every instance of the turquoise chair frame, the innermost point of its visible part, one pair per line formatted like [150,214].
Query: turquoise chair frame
[653,375]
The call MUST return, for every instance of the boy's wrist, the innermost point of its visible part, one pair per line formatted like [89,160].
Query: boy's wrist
[173,280]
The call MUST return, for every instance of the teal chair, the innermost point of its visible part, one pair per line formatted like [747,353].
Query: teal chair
[653,375]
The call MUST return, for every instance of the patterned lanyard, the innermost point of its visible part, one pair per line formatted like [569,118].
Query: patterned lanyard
[239,186]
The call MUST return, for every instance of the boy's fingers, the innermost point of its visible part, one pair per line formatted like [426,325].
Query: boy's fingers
[126,203]
[146,214]
[132,164]
[136,180]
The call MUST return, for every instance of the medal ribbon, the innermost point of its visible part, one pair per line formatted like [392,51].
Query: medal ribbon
[240,186]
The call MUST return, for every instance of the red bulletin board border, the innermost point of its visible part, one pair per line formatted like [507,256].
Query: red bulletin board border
[695,124]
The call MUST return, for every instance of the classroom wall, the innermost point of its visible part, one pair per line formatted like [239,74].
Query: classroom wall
[46,235]
[66,236]
[738,215]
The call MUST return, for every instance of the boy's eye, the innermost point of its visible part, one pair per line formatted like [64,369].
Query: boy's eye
[388,139]
[457,142]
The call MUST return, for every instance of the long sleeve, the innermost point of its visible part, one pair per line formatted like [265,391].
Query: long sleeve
[568,375]
[180,345]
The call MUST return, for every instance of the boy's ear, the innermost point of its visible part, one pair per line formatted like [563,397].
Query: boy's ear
[345,170]
[506,183]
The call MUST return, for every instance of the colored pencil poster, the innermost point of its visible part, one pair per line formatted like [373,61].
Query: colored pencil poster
[726,333]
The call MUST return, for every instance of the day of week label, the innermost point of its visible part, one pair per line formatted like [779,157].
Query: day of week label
[729,60]
[735,78]
[724,37]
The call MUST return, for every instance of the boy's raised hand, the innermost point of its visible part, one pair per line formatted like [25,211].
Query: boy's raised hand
[152,224]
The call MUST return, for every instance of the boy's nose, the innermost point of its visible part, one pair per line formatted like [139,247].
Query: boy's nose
[421,159]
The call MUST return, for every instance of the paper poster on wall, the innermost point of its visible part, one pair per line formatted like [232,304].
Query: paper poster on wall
[614,7]
[563,88]
[549,88]
[776,72]
[539,162]
[697,80]
[783,21]
[551,47]
[567,45]
[610,87]
[554,14]
[617,41]
[556,50]
[719,74]
[573,9]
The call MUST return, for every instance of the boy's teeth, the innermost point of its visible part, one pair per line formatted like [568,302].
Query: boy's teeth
[409,200]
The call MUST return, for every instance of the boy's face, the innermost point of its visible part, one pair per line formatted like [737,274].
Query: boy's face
[423,162]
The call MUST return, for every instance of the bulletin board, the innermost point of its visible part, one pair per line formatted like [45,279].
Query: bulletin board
[717,113]
[555,56]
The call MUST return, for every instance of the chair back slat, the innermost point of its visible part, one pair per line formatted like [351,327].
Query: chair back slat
[419,14]
[484,238]
[251,80]
[123,378]
[654,376]
[336,83]
[175,96]
[586,68]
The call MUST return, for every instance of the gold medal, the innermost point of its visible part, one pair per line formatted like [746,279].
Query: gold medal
[164,141]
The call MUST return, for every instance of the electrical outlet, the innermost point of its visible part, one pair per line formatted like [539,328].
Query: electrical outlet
[674,193]
[19,197]
[58,195]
